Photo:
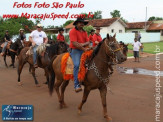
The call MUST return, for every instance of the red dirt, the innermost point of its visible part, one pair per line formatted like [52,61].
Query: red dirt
[132,101]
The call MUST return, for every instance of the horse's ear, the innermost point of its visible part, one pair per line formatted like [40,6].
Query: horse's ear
[107,36]
[114,35]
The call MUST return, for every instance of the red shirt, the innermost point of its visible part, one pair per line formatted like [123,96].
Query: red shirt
[96,37]
[91,38]
[61,37]
[78,36]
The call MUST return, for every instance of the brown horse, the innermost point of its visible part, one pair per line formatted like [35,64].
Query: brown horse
[97,75]
[42,61]
[13,50]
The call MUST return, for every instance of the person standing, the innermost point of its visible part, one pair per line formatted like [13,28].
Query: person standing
[136,46]
[37,37]
[7,40]
[78,41]
[97,37]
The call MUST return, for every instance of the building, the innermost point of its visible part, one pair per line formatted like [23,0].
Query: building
[111,25]
[137,27]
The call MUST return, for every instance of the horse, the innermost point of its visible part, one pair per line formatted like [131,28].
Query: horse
[13,50]
[42,61]
[96,77]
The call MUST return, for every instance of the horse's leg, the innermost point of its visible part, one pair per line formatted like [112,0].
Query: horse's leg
[30,68]
[103,92]
[56,86]
[13,59]
[33,74]
[20,67]
[47,76]
[84,99]
[5,60]
[63,87]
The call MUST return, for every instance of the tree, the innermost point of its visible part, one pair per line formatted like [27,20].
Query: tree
[67,22]
[115,13]
[153,18]
[37,20]
[13,25]
[88,29]
[97,15]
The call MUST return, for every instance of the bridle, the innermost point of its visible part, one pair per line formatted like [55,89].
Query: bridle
[111,51]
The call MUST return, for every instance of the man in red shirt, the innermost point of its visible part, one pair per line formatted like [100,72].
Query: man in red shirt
[91,39]
[78,41]
[60,37]
[97,37]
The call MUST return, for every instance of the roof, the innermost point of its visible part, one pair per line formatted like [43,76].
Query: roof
[155,26]
[102,22]
[138,25]
[69,26]
[99,23]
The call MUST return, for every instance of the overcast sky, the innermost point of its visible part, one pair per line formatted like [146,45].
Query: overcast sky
[131,10]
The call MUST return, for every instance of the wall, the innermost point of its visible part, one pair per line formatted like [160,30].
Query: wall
[129,37]
[116,26]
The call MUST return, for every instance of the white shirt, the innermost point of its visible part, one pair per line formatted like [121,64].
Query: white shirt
[38,37]
[136,46]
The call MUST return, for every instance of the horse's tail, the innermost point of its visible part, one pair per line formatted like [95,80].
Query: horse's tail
[52,76]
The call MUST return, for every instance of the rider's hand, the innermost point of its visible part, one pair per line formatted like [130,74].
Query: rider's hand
[33,43]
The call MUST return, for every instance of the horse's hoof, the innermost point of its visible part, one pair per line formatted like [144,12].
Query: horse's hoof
[79,112]
[20,84]
[64,105]
[37,85]
[14,67]
[46,82]
[108,119]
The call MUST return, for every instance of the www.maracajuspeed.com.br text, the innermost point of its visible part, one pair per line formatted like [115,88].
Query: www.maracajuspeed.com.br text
[48,16]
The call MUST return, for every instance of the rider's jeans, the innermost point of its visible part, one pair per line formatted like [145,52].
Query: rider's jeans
[4,48]
[35,54]
[76,55]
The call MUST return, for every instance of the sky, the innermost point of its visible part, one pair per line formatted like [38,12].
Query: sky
[131,10]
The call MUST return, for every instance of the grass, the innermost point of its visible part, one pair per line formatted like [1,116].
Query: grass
[150,47]
[129,54]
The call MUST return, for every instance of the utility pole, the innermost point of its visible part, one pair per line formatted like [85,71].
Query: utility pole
[146,20]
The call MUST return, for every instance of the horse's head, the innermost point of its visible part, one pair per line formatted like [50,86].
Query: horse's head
[113,49]
[124,48]
[62,47]
[19,45]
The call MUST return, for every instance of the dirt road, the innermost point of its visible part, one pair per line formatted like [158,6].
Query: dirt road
[132,101]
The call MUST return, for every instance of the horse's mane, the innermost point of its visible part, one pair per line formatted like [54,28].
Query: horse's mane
[96,50]
[52,49]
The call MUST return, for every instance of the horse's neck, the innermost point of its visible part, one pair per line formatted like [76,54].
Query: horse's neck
[101,60]
[13,45]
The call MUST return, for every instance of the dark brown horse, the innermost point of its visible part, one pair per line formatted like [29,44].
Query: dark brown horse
[14,49]
[97,75]
[42,61]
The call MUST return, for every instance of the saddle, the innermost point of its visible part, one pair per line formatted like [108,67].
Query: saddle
[67,66]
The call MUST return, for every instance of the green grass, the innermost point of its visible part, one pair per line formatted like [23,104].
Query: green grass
[150,47]
[129,54]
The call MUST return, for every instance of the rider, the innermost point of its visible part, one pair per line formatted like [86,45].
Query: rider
[97,37]
[7,39]
[91,39]
[78,41]
[60,37]
[37,37]
[22,36]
